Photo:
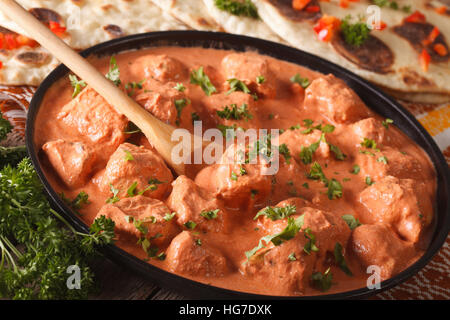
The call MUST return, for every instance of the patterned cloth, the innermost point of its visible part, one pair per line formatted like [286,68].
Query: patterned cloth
[432,282]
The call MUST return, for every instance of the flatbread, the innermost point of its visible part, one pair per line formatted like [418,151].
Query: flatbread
[404,76]
[192,13]
[88,23]
[241,25]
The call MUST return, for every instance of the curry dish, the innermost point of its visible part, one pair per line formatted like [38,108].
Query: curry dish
[351,191]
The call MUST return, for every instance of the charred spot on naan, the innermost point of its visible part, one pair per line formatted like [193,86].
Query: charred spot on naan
[285,8]
[32,59]
[417,33]
[114,31]
[5,31]
[412,78]
[46,16]
[373,55]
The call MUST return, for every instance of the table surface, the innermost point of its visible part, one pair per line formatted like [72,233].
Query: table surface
[117,283]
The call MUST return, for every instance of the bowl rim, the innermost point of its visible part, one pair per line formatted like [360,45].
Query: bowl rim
[218,40]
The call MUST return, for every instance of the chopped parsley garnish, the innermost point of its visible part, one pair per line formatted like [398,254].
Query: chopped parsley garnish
[311,244]
[276,213]
[253,193]
[387,122]
[169,216]
[291,230]
[77,85]
[306,185]
[81,199]
[131,192]
[284,150]
[235,112]
[114,197]
[195,117]
[338,154]
[260,79]
[382,159]
[303,82]
[198,242]
[128,156]
[114,72]
[334,189]
[355,169]
[323,281]
[392,4]
[233,176]
[306,153]
[180,87]
[370,144]
[351,221]
[366,152]
[180,104]
[340,260]
[316,173]
[238,8]
[132,128]
[229,132]
[292,257]
[369,181]
[199,77]
[242,171]
[354,34]
[238,85]
[190,225]
[133,86]
[211,214]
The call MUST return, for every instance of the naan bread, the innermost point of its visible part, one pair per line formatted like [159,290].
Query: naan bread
[241,25]
[97,21]
[192,12]
[389,61]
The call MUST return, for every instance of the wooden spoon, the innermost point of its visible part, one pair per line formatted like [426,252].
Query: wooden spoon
[156,131]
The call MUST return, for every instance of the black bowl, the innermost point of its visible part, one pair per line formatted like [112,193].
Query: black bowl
[372,96]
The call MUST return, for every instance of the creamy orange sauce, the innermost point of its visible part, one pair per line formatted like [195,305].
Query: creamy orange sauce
[281,104]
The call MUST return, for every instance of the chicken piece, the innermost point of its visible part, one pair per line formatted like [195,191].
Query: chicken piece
[195,204]
[72,161]
[234,109]
[130,165]
[373,129]
[286,269]
[187,255]
[333,99]
[248,68]
[240,184]
[389,162]
[295,140]
[160,67]
[378,245]
[165,102]
[400,203]
[96,120]
[139,217]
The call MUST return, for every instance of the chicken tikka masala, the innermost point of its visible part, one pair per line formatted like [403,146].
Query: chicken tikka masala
[351,191]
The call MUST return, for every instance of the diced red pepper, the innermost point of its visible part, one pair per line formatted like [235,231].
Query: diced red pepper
[416,17]
[431,37]
[424,60]
[25,41]
[1,64]
[343,3]
[11,42]
[381,26]
[300,4]
[440,49]
[441,10]
[57,29]
[326,27]
[312,9]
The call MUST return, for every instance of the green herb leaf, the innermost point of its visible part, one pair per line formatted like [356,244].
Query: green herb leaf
[334,189]
[190,225]
[323,281]
[356,169]
[169,216]
[292,257]
[276,213]
[199,77]
[369,181]
[303,82]
[115,192]
[128,156]
[238,8]
[311,244]
[77,85]
[382,159]
[340,260]
[354,34]
[235,113]
[180,87]
[211,214]
[260,80]
[351,221]
[114,72]
[387,122]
